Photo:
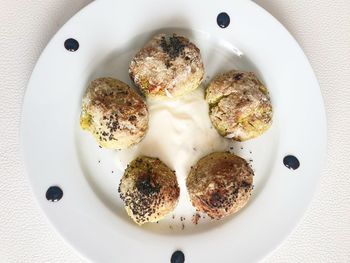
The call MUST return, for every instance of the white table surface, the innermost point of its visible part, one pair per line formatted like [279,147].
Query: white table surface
[322,28]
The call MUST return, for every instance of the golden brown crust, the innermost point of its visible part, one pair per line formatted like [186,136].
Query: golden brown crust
[240,106]
[167,66]
[220,184]
[149,190]
[114,113]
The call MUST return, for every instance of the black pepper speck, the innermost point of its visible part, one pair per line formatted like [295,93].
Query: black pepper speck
[173,47]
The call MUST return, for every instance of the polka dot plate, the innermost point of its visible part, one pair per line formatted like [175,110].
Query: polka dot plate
[76,182]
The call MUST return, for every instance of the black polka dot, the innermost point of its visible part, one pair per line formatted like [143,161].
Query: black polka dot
[291,162]
[71,44]
[223,20]
[54,194]
[177,257]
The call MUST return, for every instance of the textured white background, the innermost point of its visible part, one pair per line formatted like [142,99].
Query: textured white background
[322,28]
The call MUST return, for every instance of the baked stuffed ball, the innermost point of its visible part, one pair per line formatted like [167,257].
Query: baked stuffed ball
[149,190]
[220,184]
[239,105]
[167,66]
[114,114]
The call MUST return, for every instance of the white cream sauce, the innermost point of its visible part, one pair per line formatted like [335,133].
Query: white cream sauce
[180,133]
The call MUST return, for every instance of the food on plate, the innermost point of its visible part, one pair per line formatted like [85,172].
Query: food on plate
[149,190]
[167,66]
[114,113]
[220,184]
[239,105]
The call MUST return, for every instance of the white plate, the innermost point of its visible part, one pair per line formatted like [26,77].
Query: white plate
[90,215]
